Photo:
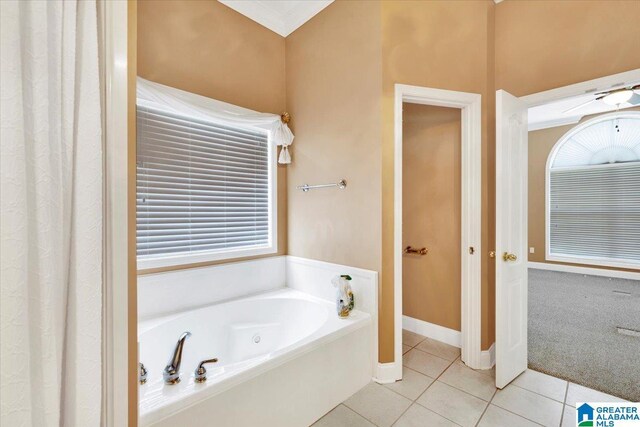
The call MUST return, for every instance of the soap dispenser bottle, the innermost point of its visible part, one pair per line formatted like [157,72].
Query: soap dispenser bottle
[344,295]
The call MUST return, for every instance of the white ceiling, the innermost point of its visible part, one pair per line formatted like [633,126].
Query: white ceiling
[283,16]
[552,114]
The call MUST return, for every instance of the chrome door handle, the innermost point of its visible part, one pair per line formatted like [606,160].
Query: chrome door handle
[509,257]
[142,375]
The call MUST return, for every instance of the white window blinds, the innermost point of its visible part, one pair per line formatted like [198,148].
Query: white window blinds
[595,212]
[201,187]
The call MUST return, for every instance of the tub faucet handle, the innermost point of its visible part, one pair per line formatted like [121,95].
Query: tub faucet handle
[201,372]
[171,373]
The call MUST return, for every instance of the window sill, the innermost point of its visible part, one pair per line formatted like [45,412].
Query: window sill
[604,262]
[180,260]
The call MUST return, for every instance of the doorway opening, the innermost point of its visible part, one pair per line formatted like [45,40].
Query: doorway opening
[437,245]
[575,263]
[431,227]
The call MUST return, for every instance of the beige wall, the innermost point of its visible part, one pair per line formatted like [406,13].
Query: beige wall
[541,142]
[207,48]
[204,47]
[542,45]
[445,45]
[431,216]
[340,70]
[333,95]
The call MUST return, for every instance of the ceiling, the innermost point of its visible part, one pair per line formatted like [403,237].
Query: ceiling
[283,16]
[552,114]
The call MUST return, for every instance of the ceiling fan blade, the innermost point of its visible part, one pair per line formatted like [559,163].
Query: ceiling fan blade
[607,92]
[577,107]
[635,99]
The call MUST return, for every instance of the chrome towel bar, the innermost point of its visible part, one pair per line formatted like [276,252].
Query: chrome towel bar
[342,184]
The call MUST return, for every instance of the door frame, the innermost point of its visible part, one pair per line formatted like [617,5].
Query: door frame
[120,366]
[471,210]
[590,86]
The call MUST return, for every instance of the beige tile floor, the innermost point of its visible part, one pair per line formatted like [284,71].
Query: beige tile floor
[437,389]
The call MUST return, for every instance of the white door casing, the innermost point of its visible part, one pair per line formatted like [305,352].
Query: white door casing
[511,237]
[470,106]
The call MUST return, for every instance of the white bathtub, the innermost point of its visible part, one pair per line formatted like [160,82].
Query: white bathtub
[285,358]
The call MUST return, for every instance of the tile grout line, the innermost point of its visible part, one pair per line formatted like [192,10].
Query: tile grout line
[492,397]
[486,407]
[459,389]
[393,391]
[519,415]
[489,402]
[430,385]
[564,404]
[431,354]
[358,414]
[414,402]
[371,421]
[508,410]
[535,392]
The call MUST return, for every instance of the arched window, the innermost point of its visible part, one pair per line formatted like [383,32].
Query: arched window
[593,193]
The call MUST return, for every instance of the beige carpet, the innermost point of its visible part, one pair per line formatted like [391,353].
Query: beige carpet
[573,321]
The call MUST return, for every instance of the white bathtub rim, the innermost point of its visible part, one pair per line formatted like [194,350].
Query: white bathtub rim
[356,321]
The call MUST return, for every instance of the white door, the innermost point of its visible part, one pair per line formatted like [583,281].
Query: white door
[511,237]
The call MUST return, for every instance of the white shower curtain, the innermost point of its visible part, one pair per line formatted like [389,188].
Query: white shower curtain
[51,204]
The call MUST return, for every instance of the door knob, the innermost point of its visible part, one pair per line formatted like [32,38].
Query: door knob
[509,257]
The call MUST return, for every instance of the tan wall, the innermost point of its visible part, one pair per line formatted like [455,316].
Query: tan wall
[541,142]
[207,48]
[431,216]
[445,45]
[542,45]
[341,67]
[333,95]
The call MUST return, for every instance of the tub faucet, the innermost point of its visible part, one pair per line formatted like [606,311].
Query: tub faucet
[171,373]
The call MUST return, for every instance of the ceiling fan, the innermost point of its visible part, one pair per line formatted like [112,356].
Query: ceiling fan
[630,94]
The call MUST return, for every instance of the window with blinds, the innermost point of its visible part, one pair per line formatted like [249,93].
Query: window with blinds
[594,214]
[204,190]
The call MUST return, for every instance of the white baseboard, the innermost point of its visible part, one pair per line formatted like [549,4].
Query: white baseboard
[585,270]
[488,357]
[431,330]
[387,373]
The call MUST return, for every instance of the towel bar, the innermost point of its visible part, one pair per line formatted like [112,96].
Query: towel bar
[342,184]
